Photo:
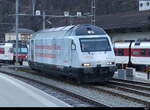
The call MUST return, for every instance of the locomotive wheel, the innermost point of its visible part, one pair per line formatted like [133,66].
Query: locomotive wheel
[79,81]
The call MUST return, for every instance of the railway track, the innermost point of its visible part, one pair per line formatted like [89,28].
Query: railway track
[97,95]
[85,101]
[133,90]
[127,93]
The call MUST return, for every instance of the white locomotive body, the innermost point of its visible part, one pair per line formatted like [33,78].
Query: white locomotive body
[83,51]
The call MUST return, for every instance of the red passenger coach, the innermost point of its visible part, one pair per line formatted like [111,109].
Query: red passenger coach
[1,50]
[8,52]
[136,54]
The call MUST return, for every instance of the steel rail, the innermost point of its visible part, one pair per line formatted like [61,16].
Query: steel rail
[131,84]
[132,81]
[131,90]
[128,97]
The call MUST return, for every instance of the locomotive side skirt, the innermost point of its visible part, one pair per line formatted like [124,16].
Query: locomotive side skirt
[92,74]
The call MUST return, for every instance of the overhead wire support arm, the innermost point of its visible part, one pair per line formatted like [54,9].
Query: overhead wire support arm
[93,12]
[52,16]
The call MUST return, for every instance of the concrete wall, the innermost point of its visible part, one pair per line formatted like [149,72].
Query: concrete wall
[129,36]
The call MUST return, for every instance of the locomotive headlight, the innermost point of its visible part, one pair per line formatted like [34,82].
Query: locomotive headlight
[86,65]
[110,63]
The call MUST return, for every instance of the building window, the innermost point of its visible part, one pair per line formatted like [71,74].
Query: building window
[141,4]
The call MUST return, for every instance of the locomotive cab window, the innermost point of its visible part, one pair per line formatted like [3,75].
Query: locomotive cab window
[24,50]
[21,48]
[94,44]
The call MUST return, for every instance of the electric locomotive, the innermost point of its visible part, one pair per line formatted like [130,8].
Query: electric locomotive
[83,52]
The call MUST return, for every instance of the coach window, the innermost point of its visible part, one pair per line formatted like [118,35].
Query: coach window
[136,52]
[143,52]
[120,52]
[115,50]
[148,52]
[1,50]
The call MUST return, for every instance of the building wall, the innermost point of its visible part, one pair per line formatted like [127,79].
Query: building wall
[21,36]
[144,5]
[129,36]
[11,36]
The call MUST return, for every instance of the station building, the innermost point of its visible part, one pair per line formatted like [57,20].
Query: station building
[23,35]
[126,26]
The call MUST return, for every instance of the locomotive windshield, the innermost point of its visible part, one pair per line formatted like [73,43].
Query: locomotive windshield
[21,49]
[94,44]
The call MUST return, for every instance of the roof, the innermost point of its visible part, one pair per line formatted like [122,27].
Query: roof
[124,20]
[72,30]
[121,20]
[63,28]
[21,30]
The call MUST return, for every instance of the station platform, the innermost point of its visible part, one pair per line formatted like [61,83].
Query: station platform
[15,93]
